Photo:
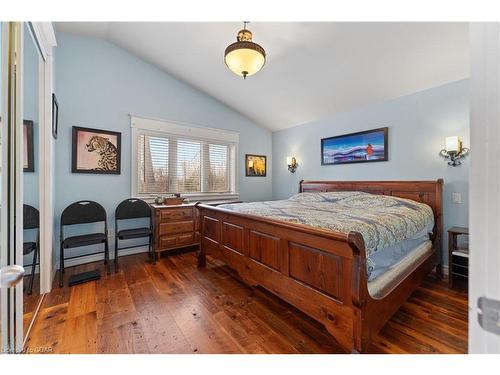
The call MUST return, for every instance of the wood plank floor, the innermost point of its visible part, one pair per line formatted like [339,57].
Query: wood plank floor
[30,301]
[174,307]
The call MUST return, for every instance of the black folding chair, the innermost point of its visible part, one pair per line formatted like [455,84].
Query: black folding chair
[83,212]
[31,221]
[133,208]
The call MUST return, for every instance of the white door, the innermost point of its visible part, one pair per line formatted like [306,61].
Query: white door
[11,213]
[484,284]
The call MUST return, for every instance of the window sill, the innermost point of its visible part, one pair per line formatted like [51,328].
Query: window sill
[207,197]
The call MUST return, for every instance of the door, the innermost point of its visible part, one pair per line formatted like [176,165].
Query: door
[33,113]
[484,266]
[11,214]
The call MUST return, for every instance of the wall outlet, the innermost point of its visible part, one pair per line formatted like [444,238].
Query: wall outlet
[456,197]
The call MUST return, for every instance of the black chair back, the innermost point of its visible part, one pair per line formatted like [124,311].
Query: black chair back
[31,217]
[83,212]
[132,208]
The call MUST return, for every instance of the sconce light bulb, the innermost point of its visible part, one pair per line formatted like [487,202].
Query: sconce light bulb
[291,163]
[454,151]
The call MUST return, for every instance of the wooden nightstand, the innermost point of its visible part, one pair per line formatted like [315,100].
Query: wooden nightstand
[458,256]
[174,226]
[177,226]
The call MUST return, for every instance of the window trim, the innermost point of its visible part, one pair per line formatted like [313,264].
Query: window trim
[154,127]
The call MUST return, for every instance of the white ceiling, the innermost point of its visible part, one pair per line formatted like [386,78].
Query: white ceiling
[313,70]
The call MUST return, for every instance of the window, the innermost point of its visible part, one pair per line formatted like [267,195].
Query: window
[153,164]
[173,158]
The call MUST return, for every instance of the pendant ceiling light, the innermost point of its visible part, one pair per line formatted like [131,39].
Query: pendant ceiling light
[244,57]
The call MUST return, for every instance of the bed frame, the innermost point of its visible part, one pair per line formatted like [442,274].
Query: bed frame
[321,272]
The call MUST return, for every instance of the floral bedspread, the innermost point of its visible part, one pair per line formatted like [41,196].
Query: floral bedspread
[382,220]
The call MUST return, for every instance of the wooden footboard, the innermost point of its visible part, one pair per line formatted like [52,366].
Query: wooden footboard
[320,272]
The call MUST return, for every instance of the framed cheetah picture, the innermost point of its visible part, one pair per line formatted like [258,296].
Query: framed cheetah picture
[96,151]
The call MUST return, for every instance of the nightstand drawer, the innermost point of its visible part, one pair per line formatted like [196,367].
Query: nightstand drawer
[184,239]
[176,214]
[176,227]
[166,242]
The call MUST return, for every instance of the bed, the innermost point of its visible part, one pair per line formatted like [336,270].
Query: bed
[322,266]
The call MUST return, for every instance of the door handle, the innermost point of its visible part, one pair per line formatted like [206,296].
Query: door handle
[489,314]
[11,275]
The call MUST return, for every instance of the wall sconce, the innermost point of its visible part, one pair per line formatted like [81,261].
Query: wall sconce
[454,151]
[292,163]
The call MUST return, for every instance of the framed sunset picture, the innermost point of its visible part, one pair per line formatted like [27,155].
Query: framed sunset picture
[96,151]
[362,147]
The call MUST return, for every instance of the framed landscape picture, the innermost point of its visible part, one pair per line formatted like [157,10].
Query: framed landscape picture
[362,147]
[96,151]
[255,165]
[28,157]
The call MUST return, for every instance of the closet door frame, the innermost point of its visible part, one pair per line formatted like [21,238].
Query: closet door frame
[46,42]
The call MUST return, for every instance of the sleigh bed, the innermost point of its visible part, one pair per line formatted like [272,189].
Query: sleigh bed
[324,272]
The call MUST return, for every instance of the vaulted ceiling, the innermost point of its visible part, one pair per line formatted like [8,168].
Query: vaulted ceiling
[313,70]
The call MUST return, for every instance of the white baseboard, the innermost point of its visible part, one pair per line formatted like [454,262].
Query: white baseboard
[100,257]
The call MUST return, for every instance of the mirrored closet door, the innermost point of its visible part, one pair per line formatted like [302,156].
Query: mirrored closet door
[3,259]
[26,147]
[32,63]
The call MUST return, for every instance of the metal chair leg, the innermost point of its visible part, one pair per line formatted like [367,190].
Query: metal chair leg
[61,266]
[106,257]
[151,250]
[116,254]
[33,268]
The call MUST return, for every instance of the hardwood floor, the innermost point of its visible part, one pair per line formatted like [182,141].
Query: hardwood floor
[174,307]
[30,301]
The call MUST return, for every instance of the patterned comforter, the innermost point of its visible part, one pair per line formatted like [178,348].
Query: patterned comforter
[382,220]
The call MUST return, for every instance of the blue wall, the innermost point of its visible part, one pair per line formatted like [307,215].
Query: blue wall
[99,84]
[418,125]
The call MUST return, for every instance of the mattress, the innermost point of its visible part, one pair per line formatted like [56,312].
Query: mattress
[384,260]
[381,285]
[390,226]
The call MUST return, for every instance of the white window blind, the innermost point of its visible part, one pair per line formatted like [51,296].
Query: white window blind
[188,166]
[218,168]
[173,163]
[153,164]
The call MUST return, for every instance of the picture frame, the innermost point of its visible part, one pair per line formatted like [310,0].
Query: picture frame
[55,116]
[367,146]
[29,145]
[255,165]
[95,151]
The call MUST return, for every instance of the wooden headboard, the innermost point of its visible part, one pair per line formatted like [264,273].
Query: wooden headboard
[429,192]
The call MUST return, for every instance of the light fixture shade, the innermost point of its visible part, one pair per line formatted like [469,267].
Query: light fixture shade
[453,144]
[244,57]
